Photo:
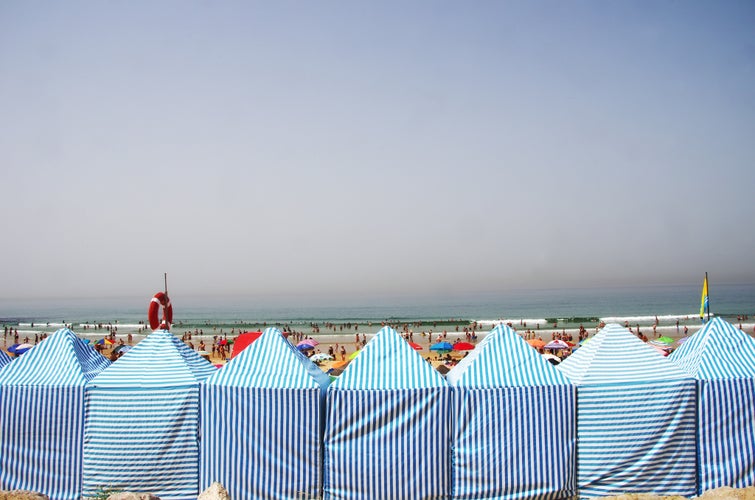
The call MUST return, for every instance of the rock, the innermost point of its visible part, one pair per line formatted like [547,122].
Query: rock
[728,493]
[22,495]
[216,491]
[128,495]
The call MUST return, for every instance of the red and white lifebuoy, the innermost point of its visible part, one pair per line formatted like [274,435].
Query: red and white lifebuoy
[160,300]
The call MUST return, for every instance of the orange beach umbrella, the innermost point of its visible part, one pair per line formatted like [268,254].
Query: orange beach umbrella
[536,343]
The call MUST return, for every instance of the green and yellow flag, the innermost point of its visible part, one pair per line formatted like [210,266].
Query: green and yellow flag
[704,303]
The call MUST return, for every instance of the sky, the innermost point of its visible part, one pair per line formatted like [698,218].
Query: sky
[357,149]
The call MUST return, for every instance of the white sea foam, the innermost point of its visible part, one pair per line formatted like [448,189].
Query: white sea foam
[667,318]
[514,322]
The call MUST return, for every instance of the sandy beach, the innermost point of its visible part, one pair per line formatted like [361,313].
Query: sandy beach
[344,345]
[424,337]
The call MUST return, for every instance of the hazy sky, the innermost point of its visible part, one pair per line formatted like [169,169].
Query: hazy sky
[350,148]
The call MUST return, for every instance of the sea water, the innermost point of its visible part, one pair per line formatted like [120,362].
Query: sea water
[542,309]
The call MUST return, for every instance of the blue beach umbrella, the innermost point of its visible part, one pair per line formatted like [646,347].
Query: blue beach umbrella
[442,346]
[19,349]
[304,347]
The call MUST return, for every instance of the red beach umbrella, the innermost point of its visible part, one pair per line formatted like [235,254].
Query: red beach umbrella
[463,346]
[243,341]
[556,345]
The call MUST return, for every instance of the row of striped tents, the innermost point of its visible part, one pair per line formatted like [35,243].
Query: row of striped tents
[722,359]
[42,416]
[4,358]
[142,421]
[262,423]
[388,427]
[514,424]
[636,418]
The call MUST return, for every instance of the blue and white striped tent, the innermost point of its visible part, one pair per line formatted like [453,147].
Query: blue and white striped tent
[262,423]
[4,358]
[514,425]
[142,424]
[388,425]
[635,418]
[722,359]
[42,416]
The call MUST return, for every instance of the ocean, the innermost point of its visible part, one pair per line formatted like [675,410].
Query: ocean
[545,309]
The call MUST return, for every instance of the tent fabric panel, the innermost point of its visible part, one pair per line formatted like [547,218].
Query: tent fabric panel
[4,358]
[62,359]
[161,360]
[514,443]
[388,362]
[388,444]
[271,361]
[638,438]
[41,431]
[158,451]
[726,433]
[262,443]
[615,355]
[719,350]
[504,359]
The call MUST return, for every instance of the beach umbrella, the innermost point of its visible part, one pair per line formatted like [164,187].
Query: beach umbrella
[311,342]
[243,341]
[463,346]
[665,340]
[304,347]
[321,356]
[122,349]
[442,346]
[105,341]
[19,349]
[415,346]
[340,365]
[354,354]
[536,343]
[557,344]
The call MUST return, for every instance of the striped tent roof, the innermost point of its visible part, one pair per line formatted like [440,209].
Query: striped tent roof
[61,360]
[388,362]
[160,360]
[270,362]
[4,358]
[615,355]
[504,359]
[719,350]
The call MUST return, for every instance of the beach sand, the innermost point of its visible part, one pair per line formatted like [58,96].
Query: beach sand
[423,338]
